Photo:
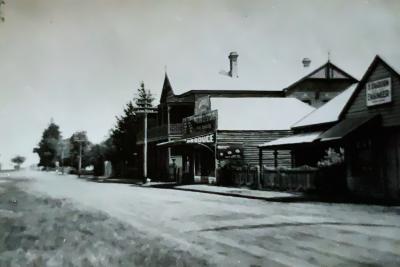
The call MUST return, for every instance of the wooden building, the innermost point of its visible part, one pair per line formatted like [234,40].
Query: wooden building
[321,85]
[368,128]
[190,135]
[306,151]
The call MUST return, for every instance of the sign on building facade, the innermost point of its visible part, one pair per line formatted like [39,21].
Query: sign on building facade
[230,151]
[379,92]
[204,139]
[200,124]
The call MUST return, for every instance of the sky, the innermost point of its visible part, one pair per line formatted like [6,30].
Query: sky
[79,62]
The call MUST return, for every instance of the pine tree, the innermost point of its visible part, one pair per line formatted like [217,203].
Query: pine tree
[123,150]
[123,138]
[145,98]
[47,149]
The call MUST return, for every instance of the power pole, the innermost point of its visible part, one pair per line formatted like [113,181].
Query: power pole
[145,110]
[144,106]
[80,141]
[145,146]
[80,159]
[62,157]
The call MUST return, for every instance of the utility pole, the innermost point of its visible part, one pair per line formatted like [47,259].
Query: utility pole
[144,106]
[62,157]
[80,141]
[145,146]
[145,110]
[80,159]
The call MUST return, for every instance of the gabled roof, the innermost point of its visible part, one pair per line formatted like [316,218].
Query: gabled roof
[377,60]
[329,112]
[235,92]
[166,88]
[326,71]
[254,75]
[258,113]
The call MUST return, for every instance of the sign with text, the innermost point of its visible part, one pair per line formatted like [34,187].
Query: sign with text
[230,151]
[142,110]
[200,124]
[379,92]
[205,139]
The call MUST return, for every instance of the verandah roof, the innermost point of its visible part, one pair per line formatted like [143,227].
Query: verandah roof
[338,132]
[347,127]
[297,139]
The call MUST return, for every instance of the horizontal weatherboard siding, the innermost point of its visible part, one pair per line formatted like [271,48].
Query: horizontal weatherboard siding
[251,140]
[390,112]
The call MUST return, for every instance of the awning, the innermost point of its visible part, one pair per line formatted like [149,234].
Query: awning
[297,139]
[203,141]
[177,142]
[348,126]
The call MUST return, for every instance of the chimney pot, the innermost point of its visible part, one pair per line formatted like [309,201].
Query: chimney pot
[233,72]
[306,62]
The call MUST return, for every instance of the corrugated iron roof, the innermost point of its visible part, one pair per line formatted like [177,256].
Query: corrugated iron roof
[304,138]
[269,113]
[329,112]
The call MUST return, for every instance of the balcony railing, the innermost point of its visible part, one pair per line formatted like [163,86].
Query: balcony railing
[176,129]
[161,132]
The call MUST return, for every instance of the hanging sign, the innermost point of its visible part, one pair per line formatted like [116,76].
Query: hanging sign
[142,110]
[379,92]
[200,124]
[205,139]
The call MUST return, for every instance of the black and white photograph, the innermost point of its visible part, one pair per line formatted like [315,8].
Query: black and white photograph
[199,133]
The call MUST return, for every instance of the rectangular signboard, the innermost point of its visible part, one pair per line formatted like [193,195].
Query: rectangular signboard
[379,92]
[230,151]
[200,124]
[140,110]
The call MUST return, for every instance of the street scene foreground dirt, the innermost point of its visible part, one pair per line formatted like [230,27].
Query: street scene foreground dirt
[60,220]
[42,231]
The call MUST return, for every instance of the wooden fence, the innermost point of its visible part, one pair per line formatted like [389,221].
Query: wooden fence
[290,179]
[298,179]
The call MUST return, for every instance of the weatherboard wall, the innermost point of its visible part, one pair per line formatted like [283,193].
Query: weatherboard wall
[251,140]
[384,182]
[390,112]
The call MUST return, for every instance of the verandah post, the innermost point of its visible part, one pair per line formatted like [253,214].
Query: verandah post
[260,169]
[276,158]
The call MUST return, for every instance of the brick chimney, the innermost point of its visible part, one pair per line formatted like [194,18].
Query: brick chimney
[233,72]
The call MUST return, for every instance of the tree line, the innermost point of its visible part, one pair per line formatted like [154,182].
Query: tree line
[119,147]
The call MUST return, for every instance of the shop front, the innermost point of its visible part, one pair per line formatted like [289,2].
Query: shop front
[193,156]
[373,163]
[193,159]
[367,133]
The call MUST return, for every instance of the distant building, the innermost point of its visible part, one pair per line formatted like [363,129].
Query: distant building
[321,85]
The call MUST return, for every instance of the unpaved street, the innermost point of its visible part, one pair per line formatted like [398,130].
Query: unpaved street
[53,220]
